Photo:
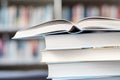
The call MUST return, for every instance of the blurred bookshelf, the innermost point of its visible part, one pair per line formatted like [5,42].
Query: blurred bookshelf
[74,10]
[16,15]
[20,14]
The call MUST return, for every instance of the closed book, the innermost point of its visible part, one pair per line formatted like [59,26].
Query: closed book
[85,40]
[96,78]
[80,55]
[84,70]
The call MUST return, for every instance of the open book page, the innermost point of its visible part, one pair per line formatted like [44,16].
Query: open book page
[99,23]
[52,27]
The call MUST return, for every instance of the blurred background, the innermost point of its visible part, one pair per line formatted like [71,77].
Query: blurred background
[20,59]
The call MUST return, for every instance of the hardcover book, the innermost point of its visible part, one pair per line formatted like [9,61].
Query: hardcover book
[63,26]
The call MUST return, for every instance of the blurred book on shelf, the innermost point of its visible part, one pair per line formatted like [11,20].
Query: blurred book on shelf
[22,16]
[77,11]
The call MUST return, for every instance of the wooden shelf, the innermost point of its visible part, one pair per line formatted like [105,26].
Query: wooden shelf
[11,30]
[42,66]
[89,2]
[30,2]
[8,61]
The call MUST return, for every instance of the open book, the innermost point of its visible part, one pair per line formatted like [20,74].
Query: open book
[63,26]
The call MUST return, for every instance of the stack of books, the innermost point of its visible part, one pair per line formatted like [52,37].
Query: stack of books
[89,49]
